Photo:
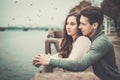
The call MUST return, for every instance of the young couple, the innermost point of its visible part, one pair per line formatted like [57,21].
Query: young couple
[84,45]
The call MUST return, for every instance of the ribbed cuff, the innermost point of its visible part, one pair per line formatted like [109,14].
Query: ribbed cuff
[54,62]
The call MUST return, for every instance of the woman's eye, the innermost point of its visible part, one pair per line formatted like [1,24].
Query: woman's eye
[72,23]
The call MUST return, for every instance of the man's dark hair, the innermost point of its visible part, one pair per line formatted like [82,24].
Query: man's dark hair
[93,13]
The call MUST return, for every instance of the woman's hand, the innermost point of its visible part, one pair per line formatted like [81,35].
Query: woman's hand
[41,59]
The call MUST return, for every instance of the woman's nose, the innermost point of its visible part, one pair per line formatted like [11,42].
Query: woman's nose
[68,26]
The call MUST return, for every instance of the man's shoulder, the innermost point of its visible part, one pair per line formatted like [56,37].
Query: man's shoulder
[102,40]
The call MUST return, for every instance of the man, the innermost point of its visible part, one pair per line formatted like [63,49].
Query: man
[101,54]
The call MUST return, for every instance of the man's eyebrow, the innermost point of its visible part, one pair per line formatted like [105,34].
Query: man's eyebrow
[82,23]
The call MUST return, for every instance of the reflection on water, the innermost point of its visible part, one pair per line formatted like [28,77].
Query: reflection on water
[16,51]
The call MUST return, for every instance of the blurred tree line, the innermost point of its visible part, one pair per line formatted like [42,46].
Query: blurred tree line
[80,6]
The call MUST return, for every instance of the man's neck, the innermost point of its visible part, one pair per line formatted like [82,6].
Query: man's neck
[92,34]
[95,34]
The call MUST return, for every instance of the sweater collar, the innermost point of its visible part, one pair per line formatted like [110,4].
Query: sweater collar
[97,33]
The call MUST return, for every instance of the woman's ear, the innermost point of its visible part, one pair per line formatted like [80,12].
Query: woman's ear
[95,25]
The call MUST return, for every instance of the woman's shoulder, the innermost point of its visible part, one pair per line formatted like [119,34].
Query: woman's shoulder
[83,38]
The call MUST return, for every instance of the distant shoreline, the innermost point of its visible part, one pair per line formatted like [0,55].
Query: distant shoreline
[26,28]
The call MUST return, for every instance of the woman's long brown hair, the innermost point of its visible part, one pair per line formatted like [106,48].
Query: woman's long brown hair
[66,44]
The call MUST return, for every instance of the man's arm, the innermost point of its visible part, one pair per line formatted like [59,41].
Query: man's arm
[97,50]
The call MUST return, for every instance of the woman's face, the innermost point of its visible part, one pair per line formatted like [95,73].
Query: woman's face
[71,26]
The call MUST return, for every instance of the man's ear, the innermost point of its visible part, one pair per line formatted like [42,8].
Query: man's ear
[95,25]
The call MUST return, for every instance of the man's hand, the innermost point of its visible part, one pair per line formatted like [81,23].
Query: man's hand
[41,59]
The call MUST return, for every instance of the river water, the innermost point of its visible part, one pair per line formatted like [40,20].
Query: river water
[17,49]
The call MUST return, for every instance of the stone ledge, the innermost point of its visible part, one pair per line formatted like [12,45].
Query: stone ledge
[66,76]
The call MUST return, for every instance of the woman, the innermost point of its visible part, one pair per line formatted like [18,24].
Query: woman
[72,42]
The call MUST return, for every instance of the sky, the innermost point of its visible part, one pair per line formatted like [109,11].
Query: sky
[34,13]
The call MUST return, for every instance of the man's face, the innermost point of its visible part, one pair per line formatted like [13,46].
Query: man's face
[86,28]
